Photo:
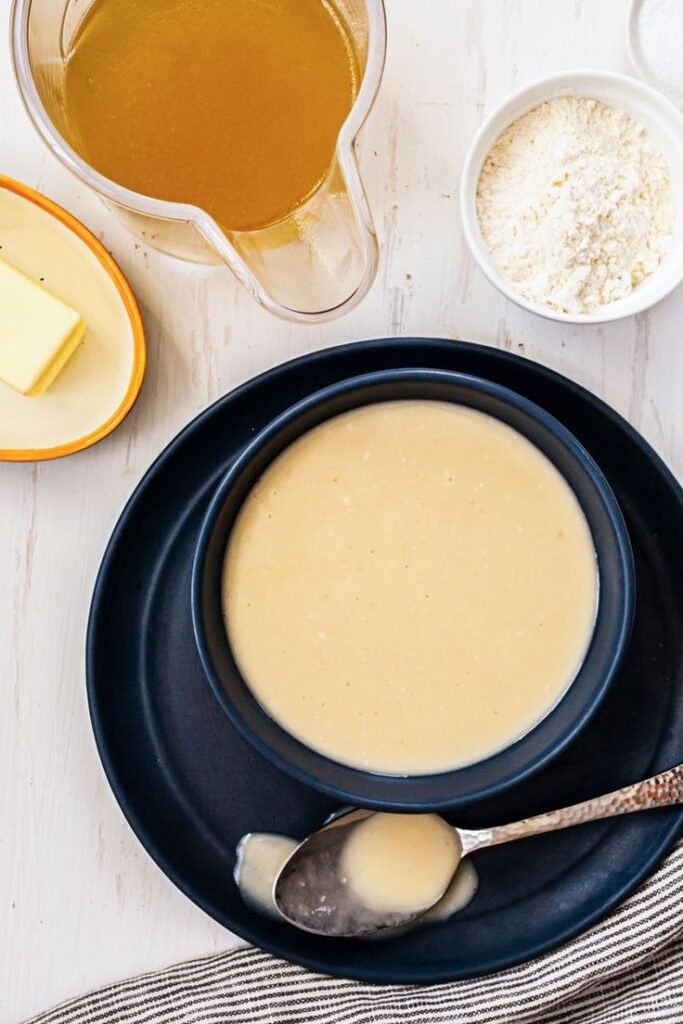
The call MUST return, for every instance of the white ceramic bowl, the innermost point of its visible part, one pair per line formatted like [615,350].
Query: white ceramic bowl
[637,59]
[664,123]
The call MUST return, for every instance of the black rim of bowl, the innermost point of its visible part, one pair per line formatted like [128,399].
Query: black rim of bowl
[462,786]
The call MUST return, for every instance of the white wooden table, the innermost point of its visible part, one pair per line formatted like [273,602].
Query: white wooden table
[80,902]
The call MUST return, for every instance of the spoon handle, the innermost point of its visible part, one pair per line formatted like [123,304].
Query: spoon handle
[661,790]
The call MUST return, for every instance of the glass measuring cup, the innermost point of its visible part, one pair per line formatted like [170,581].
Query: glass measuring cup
[315,264]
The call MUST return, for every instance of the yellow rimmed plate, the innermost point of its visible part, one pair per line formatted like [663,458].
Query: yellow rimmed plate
[99,386]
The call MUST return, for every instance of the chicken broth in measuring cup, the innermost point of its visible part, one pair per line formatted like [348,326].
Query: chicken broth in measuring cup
[233,106]
[410,587]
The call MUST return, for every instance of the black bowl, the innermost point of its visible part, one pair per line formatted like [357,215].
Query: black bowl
[551,735]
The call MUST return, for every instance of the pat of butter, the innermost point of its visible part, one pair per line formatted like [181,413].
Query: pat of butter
[38,332]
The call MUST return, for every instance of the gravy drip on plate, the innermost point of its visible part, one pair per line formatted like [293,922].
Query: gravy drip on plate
[260,855]
[410,587]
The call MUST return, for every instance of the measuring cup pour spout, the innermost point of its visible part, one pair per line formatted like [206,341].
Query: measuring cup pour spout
[317,263]
[313,265]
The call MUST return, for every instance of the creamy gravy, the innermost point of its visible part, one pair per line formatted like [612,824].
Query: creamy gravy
[400,863]
[410,587]
[459,894]
[260,855]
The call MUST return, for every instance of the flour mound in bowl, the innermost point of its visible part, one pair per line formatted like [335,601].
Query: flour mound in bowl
[575,204]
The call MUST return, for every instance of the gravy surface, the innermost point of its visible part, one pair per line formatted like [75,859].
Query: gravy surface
[410,587]
[400,863]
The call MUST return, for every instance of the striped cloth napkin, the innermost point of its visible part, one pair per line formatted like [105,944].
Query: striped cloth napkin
[627,970]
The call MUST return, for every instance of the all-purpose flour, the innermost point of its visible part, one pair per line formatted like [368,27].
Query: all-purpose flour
[575,204]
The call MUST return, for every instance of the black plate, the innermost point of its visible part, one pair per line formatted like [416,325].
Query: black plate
[190,786]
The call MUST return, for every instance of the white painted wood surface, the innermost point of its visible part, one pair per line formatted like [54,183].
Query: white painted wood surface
[80,902]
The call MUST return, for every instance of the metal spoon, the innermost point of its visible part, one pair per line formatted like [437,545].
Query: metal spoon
[310,893]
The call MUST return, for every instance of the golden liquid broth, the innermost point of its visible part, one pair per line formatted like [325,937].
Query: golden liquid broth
[231,105]
[410,587]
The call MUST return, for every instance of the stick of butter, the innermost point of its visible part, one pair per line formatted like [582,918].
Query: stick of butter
[38,332]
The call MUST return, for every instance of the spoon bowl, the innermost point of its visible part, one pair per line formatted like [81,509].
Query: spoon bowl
[310,891]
